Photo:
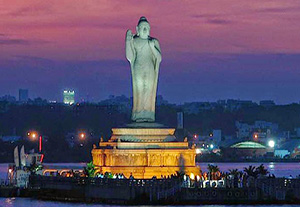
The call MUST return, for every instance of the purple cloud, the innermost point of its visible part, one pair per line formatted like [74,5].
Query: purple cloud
[14,42]
[5,40]
[218,21]
[278,9]
[34,9]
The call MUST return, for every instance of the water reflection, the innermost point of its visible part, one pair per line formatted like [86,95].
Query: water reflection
[9,201]
[25,202]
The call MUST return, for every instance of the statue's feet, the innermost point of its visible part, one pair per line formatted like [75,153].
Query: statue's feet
[144,120]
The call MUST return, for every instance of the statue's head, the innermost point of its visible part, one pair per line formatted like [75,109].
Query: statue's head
[143,28]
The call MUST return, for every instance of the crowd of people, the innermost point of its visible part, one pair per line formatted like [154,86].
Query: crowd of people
[212,178]
[219,179]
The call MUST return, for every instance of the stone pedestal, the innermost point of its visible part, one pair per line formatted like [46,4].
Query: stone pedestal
[143,134]
[144,153]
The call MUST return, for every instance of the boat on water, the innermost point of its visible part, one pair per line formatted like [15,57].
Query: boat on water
[17,179]
[24,165]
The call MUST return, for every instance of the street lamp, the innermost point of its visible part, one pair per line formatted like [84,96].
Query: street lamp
[82,137]
[271,143]
[33,135]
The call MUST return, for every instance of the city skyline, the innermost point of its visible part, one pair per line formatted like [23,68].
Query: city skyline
[211,51]
[121,99]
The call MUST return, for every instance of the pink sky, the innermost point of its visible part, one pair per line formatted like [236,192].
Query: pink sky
[87,30]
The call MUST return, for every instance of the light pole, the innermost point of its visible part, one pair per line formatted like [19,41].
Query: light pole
[40,144]
[82,137]
[33,135]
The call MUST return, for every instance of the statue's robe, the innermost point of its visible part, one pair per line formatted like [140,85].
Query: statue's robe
[144,70]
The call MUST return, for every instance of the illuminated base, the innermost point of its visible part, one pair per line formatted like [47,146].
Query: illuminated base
[149,172]
[143,134]
[150,154]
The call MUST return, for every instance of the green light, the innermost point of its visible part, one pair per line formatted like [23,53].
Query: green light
[69,97]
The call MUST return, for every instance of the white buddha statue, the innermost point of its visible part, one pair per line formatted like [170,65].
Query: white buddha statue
[144,54]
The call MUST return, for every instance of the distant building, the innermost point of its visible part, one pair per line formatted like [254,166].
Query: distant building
[161,101]
[259,130]
[69,97]
[297,130]
[8,98]
[38,102]
[281,153]
[217,136]
[197,107]
[23,95]
[221,103]
[191,108]
[233,105]
[120,103]
[267,103]
[230,104]
[180,120]
[247,149]
[292,146]
[11,138]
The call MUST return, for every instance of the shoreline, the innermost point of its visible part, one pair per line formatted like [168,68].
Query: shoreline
[198,161]
[170,191]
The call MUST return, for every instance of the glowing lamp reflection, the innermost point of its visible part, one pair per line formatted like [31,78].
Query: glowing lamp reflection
[198,151]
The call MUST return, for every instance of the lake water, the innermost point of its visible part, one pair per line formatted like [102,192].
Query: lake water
[25,202]
[278,169]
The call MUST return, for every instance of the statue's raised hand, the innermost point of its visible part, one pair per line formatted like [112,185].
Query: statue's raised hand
[129,35]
